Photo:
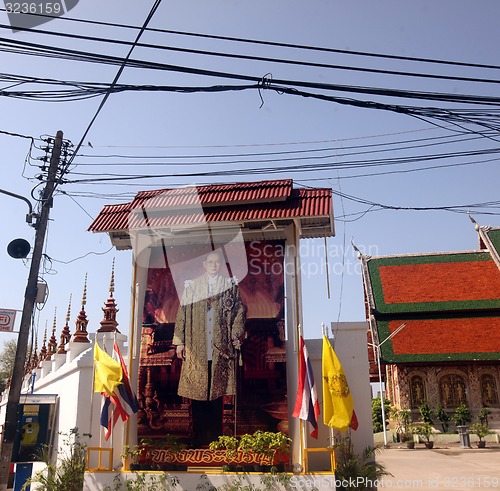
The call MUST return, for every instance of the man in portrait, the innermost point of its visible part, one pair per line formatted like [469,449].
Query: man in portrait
[208,332]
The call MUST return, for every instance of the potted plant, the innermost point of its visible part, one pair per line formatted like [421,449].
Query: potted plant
[425,412]
[404,419]
[272,447]
[351,466]
[425,430]
[462,415]
[410,440]
[443,417]
[481,430]
[483,415]
[169,445]
[228,443]
[132,455]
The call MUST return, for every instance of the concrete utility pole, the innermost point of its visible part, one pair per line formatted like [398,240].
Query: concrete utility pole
[11,417]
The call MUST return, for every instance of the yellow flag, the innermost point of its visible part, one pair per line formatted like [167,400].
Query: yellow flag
[107,372]
[338,405]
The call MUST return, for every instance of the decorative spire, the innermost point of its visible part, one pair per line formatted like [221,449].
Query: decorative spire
[109,323]
[66,333]
[52,346]
[81,333]
[43,351]
[112,279]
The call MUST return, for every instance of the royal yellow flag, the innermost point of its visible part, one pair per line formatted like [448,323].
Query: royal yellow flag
[338,405]
[107,372]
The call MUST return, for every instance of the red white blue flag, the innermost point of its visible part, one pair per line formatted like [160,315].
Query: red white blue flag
[306,404]
[127,400]
[106,416]
[119,400]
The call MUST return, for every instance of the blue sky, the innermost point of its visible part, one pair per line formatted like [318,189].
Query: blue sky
[167,124]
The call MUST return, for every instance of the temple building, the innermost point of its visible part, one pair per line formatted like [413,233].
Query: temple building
[445,308]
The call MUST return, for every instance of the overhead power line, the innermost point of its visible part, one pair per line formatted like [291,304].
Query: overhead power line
[154,8]
[278,44]
[85,90]
[266,59]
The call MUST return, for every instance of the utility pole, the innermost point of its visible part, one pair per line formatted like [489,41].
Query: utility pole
[11,417]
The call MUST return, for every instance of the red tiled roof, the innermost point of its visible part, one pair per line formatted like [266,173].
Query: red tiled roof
[441,339]
[450,303]
[440,282]
[236,202]
[433,283]
[452,335]
[216,194]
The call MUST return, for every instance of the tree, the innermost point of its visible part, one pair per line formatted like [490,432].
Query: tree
[425,412]
[377,413]
[7,356]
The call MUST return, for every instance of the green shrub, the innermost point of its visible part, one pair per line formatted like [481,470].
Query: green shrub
[377,413]
[462,415]
[68,472]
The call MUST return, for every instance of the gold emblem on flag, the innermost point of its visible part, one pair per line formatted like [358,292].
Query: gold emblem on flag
[337,385]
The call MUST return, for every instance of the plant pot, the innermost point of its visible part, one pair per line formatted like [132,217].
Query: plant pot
[481,444]
[429,444]
[410,444]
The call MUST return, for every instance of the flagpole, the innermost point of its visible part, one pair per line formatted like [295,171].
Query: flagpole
[302,429]
[92,394]
[100,431]
[131,347]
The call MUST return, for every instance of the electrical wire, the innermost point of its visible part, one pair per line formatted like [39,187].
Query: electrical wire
[276,44]
[154,8]
[94,253]
[258,58]
[86,90]
[367,148]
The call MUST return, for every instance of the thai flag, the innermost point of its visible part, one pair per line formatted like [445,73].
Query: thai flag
[126,398]
[306,404]
[106,417]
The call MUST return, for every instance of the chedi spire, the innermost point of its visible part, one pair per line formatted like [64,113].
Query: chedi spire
[81,334]
[109,322]
[66,333]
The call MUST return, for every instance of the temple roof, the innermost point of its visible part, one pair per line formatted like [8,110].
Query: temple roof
[254,205]
[450,303]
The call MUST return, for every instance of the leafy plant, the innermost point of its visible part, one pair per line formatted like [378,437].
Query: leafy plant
[443,417]
[425,412]
[134,452]
[462,415]
[481,430]
[68,472]
[377,413]
[402,417]
[357,471]
[226,442]
[425,430]
[268,444]
[483,415]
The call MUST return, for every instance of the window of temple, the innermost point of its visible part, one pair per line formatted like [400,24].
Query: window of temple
[417,391]
[489,393]
[452,390]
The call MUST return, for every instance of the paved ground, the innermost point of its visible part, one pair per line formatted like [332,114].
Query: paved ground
[444,467]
